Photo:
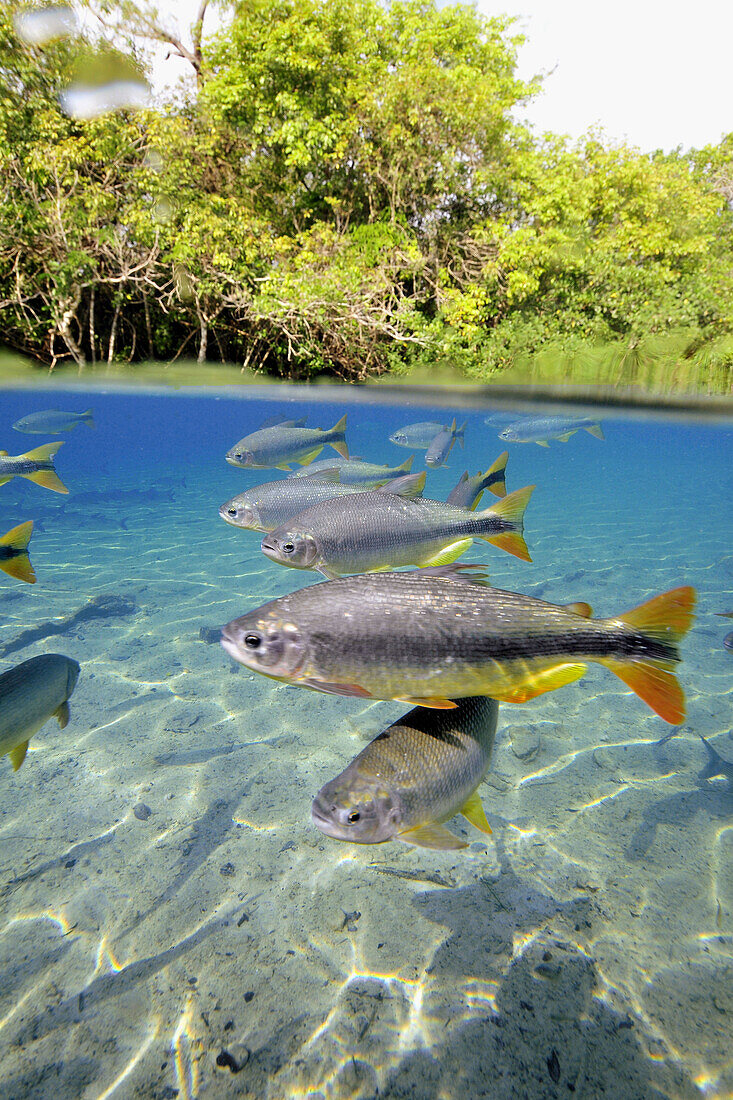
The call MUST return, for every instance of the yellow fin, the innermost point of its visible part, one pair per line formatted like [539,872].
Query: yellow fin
[495,476]
[20,568]
[473,810]
[449,553]
[655,684]
[595,429]
[18,537]
[513,543]
[17,755]
[542,443]
[540,682]
[283,466]
[48,479]
[5,480]
[307,459]
[566,437]
[43,453]
[432,836]
[63,714]
[436,702]
[580,608]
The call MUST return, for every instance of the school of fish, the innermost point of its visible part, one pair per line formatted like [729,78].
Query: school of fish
[438,636]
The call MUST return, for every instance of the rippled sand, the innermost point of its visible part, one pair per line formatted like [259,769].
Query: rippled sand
[171,924]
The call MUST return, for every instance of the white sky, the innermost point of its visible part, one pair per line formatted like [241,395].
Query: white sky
[654,74]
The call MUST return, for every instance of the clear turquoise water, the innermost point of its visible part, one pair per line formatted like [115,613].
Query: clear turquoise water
[221,946]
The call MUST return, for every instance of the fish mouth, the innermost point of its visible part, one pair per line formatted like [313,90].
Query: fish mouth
[231,646]
[323,822]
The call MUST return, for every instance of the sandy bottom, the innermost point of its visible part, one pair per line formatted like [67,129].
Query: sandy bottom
[172,925]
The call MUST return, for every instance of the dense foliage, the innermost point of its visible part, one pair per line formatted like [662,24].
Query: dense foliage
[343,190]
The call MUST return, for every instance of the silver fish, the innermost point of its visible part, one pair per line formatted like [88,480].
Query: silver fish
[36,465]
[435,635]
[380,530]
[53,421]
[441,446]
[353,471]
[268,506]
[280,445]
[417,436]
[30,694]
[540,429]
[421,771]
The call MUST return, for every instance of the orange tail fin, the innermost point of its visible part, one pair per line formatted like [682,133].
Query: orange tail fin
[664,619]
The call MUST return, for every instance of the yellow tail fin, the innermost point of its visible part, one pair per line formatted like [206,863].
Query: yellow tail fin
[43,453]
[49,479]
[664,619]
[495,475]
[511,509]
[18,565]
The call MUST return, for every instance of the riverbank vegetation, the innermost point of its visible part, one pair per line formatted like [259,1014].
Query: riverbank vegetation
[343,189]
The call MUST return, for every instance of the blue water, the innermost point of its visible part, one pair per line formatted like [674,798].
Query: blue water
[172,924]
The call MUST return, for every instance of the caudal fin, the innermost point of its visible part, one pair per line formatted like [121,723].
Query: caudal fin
[511,510]
[340,444]
[664,620]
[15,543]
[495,477]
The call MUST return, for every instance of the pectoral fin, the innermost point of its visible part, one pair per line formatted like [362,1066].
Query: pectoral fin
[351,690]
[473,810]
[63,714]
[432,836]
[17,755]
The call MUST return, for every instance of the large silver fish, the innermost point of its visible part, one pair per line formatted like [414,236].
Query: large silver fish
[268,506]
[277,446]
[30,694]
[540,429]
[441,446]
[431,636]
[421,771]
[53,421]
[36,465]
[354,471]
[380,530]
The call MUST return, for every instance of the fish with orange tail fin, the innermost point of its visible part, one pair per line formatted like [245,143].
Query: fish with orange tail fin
[382,530]
[431,636]
[36,465]
[14,558]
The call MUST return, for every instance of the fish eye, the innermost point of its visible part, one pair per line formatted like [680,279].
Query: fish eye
[288,547]
[231,511]
[252,641]
[354,817]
